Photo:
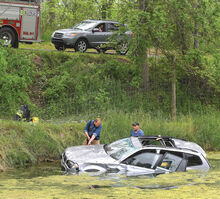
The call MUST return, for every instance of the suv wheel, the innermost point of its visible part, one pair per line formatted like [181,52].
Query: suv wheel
[81,45]
[60,47]
[123,49]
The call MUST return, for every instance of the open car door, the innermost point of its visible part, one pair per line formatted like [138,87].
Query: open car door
[171,163]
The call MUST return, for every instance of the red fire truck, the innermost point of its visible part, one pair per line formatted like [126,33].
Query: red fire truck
[19,22]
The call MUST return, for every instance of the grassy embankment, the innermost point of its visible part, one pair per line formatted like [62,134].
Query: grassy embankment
[82,86]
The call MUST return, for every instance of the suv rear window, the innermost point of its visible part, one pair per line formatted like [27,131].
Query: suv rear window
[112,27]
[193,160]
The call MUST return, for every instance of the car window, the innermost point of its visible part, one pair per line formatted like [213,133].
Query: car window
[120,148]
[150,142]
[193,160]
[177,153]
[101,27]
[84,25]
[143,159]
[170,162]
[112,27]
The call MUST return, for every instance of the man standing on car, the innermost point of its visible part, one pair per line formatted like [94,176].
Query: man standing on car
[92,132]
[136,130]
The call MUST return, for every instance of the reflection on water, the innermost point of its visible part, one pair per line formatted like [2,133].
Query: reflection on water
[46,181]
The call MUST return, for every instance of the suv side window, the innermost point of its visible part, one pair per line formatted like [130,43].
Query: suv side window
[193,160]
[171,162]
[176,153]
[112,27]
[143,159]
[101,27]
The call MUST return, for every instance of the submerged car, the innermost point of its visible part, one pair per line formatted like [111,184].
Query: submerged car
[136,156]
[91,34]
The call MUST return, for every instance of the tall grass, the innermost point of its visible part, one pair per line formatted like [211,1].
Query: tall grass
[22,143]
[202,129]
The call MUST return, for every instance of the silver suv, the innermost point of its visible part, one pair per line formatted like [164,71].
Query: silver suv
[91,34]
[136,156]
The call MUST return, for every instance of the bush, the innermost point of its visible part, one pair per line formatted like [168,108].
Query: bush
[16,76]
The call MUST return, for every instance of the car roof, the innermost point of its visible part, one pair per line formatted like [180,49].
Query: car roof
[167,142]
[101,21]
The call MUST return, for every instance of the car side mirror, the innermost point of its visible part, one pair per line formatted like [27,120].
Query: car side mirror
[95,30]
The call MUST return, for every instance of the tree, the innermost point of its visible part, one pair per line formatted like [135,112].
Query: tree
[181,30]
[136,14]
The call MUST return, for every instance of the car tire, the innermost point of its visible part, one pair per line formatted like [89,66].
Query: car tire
[9,38]
[60,48]
[123,49]
[81,46]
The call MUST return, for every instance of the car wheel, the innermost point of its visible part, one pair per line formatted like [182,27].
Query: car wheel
[60,47]
[8,37]
[123,49]
[81,45]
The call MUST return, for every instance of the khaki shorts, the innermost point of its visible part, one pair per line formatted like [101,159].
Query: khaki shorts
[94,142]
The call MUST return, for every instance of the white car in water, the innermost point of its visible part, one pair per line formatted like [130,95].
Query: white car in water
[136,156]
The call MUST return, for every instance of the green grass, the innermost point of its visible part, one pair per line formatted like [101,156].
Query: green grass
[41,45]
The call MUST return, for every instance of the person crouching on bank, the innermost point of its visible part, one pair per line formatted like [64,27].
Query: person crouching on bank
[92,132]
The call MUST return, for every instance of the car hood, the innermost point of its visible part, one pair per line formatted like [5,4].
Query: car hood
[88,154]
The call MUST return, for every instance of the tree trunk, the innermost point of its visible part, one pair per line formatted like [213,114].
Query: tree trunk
[51,13]
[173,105]
[143,53]
[145,73]
[196,36]
[106,9]
[183,40]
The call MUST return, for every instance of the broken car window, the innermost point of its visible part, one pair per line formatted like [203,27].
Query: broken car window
[120,149]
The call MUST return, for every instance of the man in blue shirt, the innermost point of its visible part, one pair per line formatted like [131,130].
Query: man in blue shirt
[136,130]
[92,132]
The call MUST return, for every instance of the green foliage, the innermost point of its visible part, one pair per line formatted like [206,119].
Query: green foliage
[185,32]
[58,84]
[64,14]
[16,77]
[23,143]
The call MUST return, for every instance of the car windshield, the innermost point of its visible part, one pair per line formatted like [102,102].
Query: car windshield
[120,149]
[84,25]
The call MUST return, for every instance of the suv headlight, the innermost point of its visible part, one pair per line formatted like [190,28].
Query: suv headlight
[72,165]
[70,34]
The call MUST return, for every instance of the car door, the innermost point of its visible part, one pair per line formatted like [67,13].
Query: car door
[142,162]
[110,29]
[98,37]
[172,163]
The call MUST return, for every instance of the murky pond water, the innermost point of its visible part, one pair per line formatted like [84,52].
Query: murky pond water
[46,181]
